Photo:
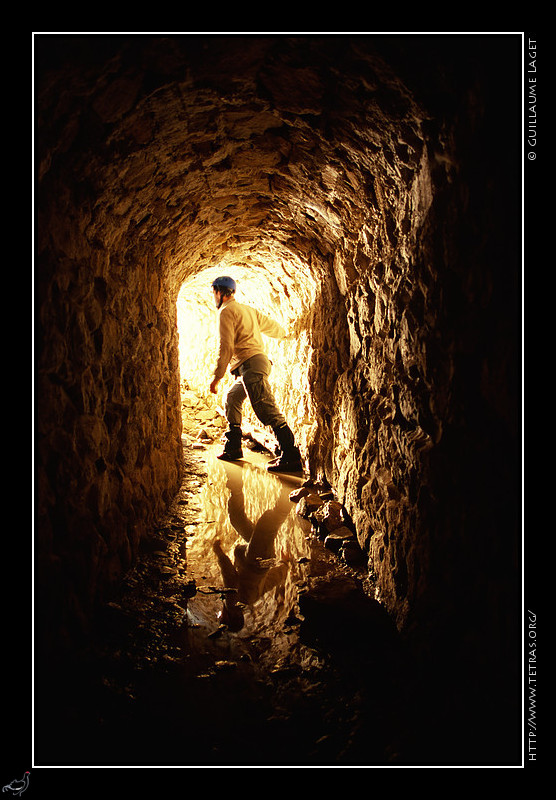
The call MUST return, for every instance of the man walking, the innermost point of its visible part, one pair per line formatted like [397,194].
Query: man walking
[240,329]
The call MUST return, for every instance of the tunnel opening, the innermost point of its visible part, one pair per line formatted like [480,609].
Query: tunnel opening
[345,181]
[282,292]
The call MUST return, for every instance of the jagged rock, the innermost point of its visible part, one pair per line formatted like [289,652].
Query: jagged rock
[308,505]
[297,494]
[225,666]
[352,554]
[337,612]
[166,572]
[337,539]
[330,515]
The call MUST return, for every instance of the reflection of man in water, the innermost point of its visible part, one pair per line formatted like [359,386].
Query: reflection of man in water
[254,570]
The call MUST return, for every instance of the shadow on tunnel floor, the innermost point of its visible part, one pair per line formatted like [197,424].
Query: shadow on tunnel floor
[162,682]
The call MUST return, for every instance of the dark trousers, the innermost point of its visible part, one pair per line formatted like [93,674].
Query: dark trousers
[252,381]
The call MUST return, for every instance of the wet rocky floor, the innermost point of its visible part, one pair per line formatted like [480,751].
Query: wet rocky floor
[247,635]
[239,639]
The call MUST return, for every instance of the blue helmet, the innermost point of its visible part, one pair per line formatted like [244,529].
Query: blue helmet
[224,282]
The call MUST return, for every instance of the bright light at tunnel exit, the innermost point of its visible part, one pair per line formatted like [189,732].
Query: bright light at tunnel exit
[197,318]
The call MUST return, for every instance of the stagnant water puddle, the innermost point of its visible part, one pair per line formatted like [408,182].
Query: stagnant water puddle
[238,640]
[249,553]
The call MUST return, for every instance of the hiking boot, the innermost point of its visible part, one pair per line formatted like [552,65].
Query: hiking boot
[232,448]
[288,462]
[227,455]
[289,459]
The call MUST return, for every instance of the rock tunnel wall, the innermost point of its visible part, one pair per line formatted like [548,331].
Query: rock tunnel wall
[108,442]
[359,177]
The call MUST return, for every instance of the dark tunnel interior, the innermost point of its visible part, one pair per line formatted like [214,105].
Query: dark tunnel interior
[365,191]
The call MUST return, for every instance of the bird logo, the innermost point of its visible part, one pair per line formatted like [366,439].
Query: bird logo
[17,787]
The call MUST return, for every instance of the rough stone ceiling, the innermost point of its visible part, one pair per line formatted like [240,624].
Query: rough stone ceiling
[255,152]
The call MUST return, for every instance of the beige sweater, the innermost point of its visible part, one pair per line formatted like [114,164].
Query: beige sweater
[239,331]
